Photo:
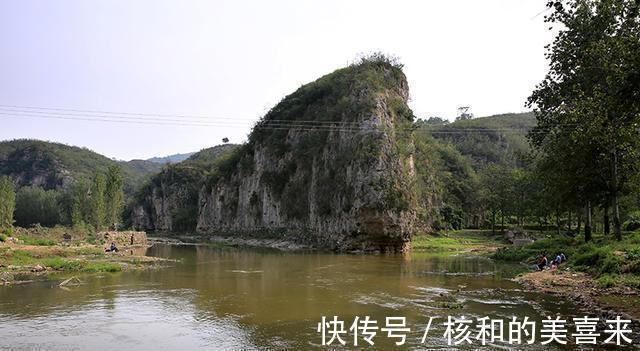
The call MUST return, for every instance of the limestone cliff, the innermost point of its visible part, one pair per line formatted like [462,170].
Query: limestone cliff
[330,165]
[168,202]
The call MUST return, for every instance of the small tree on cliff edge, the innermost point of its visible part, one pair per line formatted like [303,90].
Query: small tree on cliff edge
[7,202]
[590,98]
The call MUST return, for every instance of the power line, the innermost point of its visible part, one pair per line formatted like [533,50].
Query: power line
[269,124]
[139,116]
[292,127]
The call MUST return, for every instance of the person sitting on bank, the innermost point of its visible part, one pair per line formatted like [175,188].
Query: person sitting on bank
[113,248]
[542,262]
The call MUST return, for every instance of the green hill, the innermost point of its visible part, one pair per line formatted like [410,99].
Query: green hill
[463,156]
[499,139]
[56,166]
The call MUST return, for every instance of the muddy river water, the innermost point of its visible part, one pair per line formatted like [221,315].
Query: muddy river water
[239,299]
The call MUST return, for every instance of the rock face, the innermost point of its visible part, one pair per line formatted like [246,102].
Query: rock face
[330,165]
[169,201]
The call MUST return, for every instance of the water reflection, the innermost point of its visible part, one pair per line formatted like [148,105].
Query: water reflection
[259,299]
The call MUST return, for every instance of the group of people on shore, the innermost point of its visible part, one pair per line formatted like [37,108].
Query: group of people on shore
[543,261]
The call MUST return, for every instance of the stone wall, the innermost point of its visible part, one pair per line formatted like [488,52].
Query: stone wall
[128,238]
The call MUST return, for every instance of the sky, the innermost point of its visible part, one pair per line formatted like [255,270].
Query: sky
[228,62]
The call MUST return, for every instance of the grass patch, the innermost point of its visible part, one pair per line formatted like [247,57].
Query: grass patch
[19,257]
[462,240]
[93,267]
[61,264]
[37,241]
[59,259]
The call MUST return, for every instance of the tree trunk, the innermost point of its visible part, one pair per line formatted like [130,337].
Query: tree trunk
[579,223]
[587,225]
[558,220]
[569,224]
[493,222]
[605,220]
[614,195]
[502,222]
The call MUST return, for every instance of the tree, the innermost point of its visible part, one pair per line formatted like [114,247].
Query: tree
[80,205]
[498,182]
[97,201]
[114,196]
[588,106]
[35,205]
[7,202]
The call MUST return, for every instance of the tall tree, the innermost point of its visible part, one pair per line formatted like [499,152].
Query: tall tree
[588,106]
[114,196]
[7,202]
[98,210]
[80,211]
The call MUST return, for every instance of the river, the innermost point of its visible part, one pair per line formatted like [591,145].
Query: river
[238,299]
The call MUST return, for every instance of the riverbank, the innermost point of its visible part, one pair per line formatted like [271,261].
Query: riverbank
[603,276]
[583,290]
[36,254]
[459,241]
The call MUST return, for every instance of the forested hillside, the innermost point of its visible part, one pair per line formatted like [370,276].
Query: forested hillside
[500,139]
[466,158]
[55,166]
[61,184]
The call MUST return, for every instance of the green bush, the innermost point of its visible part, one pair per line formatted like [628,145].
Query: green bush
[599,259]
[633,253]
[62,264]
[514,254]
[607,281]
[546,246]
[633,221]
[3,238]
[102,267]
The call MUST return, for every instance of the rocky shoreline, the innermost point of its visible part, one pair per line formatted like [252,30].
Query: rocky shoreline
[582,290]
[20,263]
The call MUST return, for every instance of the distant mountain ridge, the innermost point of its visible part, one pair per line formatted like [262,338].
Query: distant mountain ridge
[175,158]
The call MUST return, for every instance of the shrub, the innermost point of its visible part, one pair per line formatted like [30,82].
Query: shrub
[62,264]
[607,281]
[3,238]
[102,267]
[633,221]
